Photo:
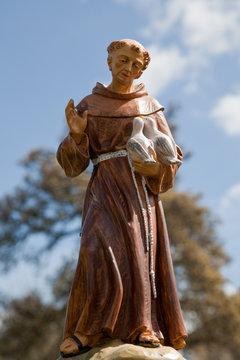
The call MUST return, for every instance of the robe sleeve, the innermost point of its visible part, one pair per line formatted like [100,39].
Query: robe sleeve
[74,158]
[165,180]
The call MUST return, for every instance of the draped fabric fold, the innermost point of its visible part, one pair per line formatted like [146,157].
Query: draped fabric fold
[111,292]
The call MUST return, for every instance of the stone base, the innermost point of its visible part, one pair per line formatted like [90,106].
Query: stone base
[118,350]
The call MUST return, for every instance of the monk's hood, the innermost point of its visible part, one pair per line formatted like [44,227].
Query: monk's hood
[105,103]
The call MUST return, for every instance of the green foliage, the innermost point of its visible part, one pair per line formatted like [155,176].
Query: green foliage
[62,284]
[30,330]
[48,203]
[212,315]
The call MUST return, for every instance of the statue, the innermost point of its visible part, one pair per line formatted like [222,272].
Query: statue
[124,285]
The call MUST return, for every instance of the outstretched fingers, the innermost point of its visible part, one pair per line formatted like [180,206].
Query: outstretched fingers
[69,107]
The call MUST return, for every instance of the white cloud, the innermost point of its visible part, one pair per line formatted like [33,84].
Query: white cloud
[230,289]
[212,26]
[231,197]
[166,65]
[226,113]
[191,87]
[198,30]
[209,27]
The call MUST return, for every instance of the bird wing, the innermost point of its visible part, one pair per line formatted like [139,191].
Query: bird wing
[165,146]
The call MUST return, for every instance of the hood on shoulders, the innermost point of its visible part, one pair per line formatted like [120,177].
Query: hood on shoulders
[106,103]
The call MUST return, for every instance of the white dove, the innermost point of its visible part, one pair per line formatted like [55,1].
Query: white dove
[139,146]
[164,146]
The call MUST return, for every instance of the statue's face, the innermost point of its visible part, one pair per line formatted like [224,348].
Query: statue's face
[126,65]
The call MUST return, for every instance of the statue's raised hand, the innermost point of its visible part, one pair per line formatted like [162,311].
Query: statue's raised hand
[76,123]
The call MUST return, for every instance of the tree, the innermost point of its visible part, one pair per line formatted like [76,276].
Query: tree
[50,204]
[213,316]
[47,203]
[31,329]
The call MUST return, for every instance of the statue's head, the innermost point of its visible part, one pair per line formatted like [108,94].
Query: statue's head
[129,52]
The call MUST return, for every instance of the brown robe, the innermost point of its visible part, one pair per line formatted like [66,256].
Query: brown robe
[111,292]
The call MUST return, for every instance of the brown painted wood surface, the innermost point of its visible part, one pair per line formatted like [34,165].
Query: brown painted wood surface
[111,292]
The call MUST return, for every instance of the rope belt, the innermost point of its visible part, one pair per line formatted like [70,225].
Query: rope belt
[108,156]
[148,232]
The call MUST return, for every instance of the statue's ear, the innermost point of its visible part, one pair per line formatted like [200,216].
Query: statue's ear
[139,74]
[109,61]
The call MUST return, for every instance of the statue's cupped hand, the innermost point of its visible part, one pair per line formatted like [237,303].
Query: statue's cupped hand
[147,169]
[76,123]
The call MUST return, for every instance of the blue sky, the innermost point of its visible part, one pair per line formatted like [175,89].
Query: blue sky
[52,51]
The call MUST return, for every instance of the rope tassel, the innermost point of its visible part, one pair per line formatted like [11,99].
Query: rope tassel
[148,236]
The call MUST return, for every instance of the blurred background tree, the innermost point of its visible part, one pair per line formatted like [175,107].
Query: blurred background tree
[50,204]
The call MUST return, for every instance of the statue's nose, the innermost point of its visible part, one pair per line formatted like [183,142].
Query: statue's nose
[129,67]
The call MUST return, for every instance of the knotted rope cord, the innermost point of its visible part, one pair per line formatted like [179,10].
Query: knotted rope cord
[140,202]
[148,236]
[110,155]
[150,239]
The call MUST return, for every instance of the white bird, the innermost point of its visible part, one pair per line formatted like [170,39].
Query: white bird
[164,146]
[139,146]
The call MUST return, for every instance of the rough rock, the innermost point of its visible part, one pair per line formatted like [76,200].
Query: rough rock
[118,350]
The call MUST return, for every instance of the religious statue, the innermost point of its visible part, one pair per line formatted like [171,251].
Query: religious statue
[124,286]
